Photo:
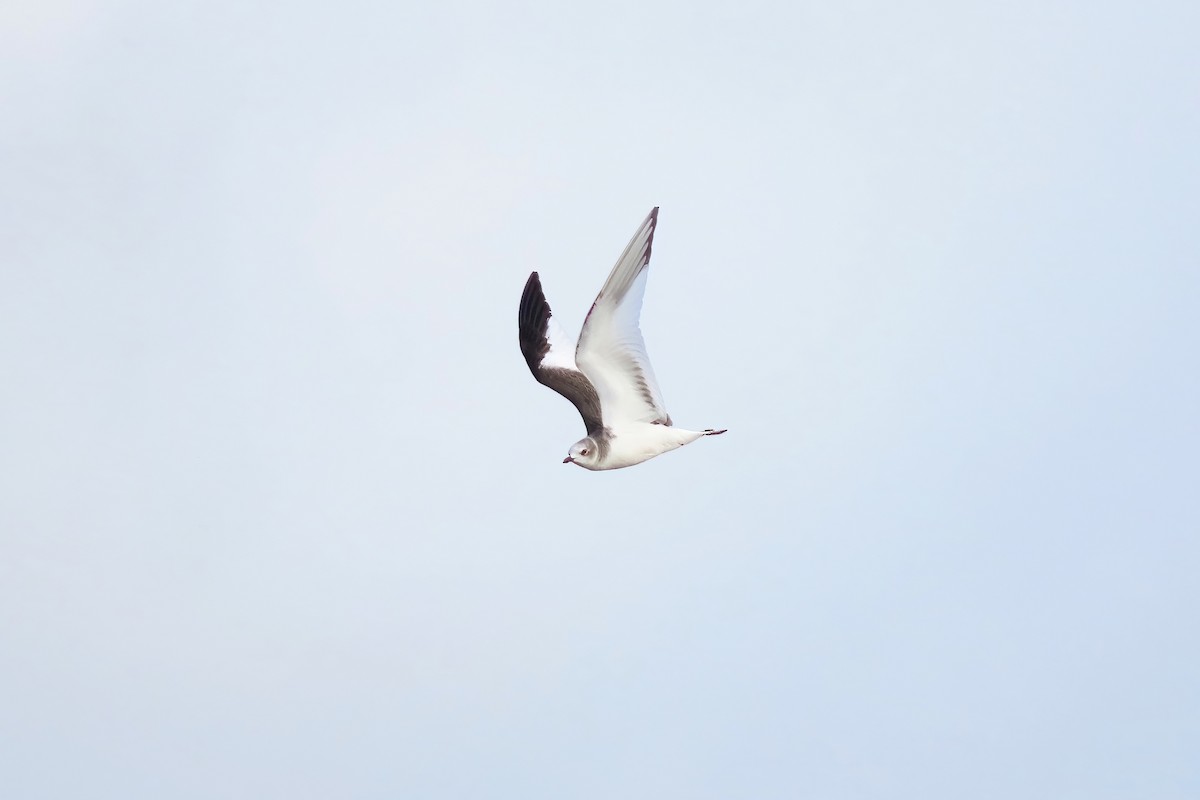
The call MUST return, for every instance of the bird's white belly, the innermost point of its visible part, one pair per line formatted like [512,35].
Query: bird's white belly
[643,442]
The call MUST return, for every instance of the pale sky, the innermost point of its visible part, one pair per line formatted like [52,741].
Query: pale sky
[283,514]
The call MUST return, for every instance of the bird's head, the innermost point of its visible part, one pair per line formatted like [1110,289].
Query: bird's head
[584,453]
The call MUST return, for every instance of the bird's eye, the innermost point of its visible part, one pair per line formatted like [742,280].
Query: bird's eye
[583,452]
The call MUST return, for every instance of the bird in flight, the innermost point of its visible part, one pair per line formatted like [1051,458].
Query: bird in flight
[606,374]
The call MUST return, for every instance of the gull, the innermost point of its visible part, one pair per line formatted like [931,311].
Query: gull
[606,374]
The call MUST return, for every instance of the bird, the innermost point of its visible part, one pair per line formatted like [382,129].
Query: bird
[606,373]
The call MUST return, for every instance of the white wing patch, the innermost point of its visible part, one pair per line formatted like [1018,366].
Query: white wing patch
[562,347]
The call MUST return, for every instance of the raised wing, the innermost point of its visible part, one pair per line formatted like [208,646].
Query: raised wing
[547,351]
[611,351]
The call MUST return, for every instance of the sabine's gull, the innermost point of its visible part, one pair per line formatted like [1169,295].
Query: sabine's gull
[606,374]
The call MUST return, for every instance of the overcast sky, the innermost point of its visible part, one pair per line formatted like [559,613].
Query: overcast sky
[283,514]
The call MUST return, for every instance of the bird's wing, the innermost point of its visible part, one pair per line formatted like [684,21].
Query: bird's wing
[611,351]
[547,350]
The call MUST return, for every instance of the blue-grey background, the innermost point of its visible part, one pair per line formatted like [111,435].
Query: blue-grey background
[282,513]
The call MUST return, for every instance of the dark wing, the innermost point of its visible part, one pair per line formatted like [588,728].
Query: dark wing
[551,357]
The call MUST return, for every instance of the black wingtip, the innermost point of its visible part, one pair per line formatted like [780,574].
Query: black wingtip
[650,239]
[534,283]
[532,299]
[532,319]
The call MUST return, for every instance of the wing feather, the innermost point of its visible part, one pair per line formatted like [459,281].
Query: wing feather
[611,351]
[547,351]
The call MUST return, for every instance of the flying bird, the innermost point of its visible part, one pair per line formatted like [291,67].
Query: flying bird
[606,374]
